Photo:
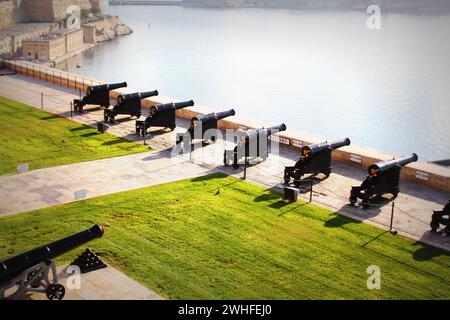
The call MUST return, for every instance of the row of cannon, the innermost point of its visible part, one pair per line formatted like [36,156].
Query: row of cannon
[383,177]
[35,270]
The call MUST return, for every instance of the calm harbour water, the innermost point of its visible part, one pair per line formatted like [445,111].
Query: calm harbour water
[322,72]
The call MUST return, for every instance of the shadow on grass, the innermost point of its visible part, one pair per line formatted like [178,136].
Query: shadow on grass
[89,134]
[53,116]
[426,252]
[292,209]
[279,204]
[374,239]
[80,128]
[338,221]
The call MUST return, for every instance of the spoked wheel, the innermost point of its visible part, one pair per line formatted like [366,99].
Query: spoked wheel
[55,291]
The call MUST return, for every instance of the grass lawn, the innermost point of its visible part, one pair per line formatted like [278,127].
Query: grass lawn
[186,242]
[41,139]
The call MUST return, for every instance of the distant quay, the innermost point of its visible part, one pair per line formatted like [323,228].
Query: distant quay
[146,2]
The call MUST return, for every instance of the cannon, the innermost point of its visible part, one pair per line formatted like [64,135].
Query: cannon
[202,123]
[441,217]
[314,159]
[30,271]
[384,177]
[97,95]
[252,145]
[162,115]
[129,104]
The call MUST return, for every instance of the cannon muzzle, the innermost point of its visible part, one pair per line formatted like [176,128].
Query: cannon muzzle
[124,98]
[21,262]
[281,127]
[154,110]
[318,147]
[182,105]
[225,114]
[114,86]
[148,94]
[387,165]
[105,87]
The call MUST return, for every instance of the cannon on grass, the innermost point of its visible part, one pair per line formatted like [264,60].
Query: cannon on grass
[161,115]
[253,145]
[97,95]
[202,123]
[441,218]
[129,104]
[314,159]
[35,270]
[384,177]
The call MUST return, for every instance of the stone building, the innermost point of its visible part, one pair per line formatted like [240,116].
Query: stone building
[54,45]
[12,36]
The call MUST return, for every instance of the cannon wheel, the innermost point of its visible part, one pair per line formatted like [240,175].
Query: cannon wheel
[105,116]
[55,291]
[138,131]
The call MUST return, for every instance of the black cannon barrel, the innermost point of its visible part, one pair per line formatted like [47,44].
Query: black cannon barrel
[214,116]
[317,147]
[281,127]
[19,263]
[386,165]
[114,86]
[268,131]
[123,98]
[148,94]
[169,106]
[105,87]
[225,114]
[184,104]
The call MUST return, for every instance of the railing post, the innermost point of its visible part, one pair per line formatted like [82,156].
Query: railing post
[394,232]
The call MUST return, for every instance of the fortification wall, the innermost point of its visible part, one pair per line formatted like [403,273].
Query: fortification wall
[16,11]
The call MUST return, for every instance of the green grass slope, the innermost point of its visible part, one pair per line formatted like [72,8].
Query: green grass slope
[41,139]
[185,241]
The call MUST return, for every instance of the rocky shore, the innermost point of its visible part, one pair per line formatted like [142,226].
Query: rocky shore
[108,28]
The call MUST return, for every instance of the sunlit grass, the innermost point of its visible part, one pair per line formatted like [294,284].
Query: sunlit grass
[41,139]
[187,241]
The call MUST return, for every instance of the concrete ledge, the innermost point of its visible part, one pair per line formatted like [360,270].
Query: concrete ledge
[419,172]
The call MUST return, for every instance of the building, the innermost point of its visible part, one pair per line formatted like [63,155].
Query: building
[54,45]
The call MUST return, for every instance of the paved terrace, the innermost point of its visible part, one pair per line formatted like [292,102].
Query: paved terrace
[47,187]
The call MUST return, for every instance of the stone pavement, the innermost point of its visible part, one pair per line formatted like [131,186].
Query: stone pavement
[413,207]
[102,284]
